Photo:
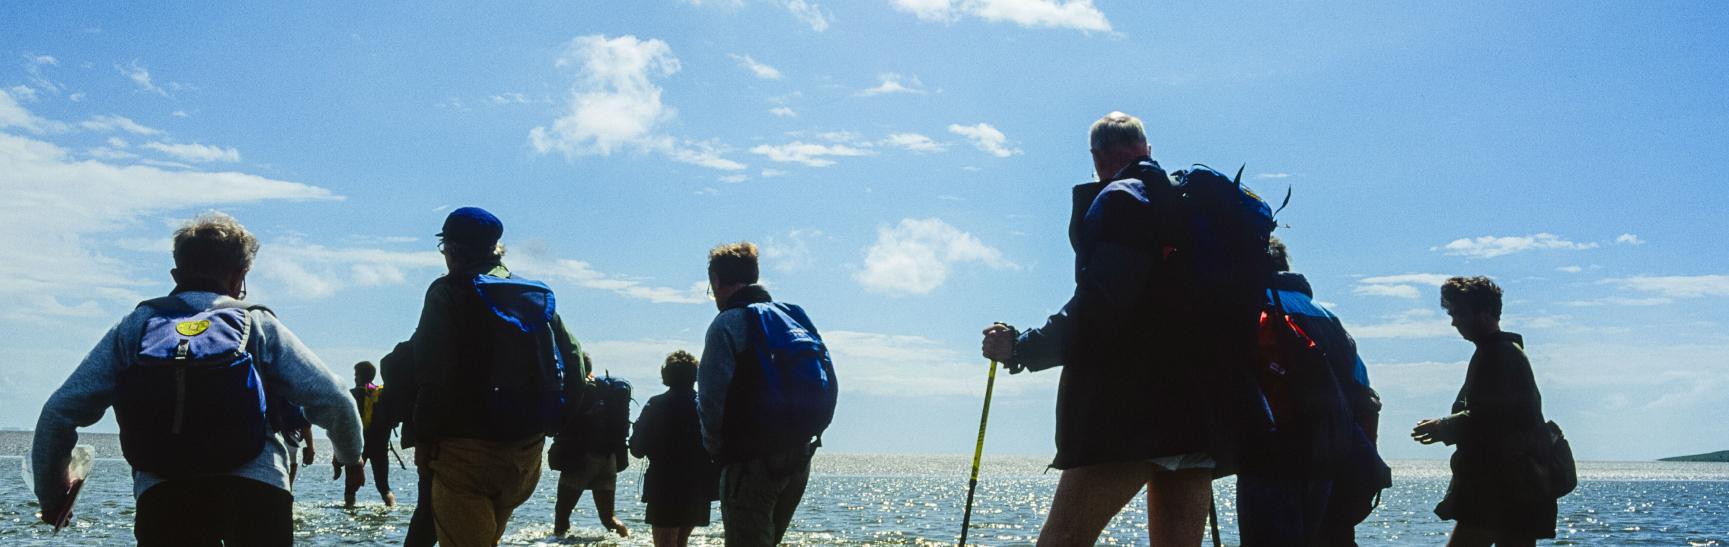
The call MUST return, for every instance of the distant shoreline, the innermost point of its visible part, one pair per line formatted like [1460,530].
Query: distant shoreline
[1720,456]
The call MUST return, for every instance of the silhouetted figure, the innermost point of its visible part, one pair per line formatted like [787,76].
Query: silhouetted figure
[681,483]
[1499,494]
[590,452]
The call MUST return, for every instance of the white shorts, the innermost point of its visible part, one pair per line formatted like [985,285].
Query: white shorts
[1192,460]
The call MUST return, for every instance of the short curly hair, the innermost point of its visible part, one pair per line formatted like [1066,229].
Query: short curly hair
[679,370]
[213,246]
[733,263]
[1477,294]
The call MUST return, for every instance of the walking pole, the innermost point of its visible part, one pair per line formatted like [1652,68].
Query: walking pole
[978,452]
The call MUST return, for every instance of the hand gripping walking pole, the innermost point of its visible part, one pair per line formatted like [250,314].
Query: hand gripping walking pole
[978,452]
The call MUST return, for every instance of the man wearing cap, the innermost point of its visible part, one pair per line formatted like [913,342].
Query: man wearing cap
[480,471]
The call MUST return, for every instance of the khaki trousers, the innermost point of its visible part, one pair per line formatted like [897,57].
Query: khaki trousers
[477,484]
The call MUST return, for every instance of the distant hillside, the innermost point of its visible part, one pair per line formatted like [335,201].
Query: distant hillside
[1719,456]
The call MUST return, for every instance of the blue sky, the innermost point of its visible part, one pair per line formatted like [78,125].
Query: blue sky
[905,165]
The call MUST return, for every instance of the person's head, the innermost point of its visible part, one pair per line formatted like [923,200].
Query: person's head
[679,370]
[364,373]
[214,252]
[1277,253]
[470,236]
[731,266]
[1474,303]
[1117,140]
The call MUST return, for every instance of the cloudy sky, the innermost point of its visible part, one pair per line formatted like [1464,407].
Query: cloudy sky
[905,165]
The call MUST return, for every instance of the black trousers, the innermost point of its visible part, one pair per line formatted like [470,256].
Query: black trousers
[421,530]
[217,511]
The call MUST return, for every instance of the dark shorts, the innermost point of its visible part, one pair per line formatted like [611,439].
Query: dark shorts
[214,511]
[680,514]
[591,472]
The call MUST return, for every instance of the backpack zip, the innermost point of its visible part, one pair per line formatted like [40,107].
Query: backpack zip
[180,353]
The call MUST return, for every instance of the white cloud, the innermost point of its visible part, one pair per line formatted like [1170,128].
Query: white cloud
[105,124]
[1419,323]
[1570,269]
[1620,301]
[177,113]
[24,92]
[755,67]
[805,11]
[783,112]
[193,152]
[509,98]
[59,211]
[790,253]
[615,104]
[295,269]
[13,114]
[33,68]
[141,77]
[897,365]
[1492,246]
[809,13]
[986,138]
[734,178]
[814,155]
[1266,176]
[1429,279]
[915,256]
[914,142]
[1676,286]
[895,83]
[1629,239]
[1399,291]
[771,173]
[1399,286]
[1069,14]
[582,275]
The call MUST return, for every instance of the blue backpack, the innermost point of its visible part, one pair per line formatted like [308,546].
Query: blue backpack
[1228,229]
[525,391]
[799,387]
[191,399]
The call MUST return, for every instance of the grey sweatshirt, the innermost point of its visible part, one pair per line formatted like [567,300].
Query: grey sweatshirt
[282,360]
[727,335]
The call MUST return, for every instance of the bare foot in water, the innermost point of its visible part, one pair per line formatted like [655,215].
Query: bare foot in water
[390,499]
[617,527]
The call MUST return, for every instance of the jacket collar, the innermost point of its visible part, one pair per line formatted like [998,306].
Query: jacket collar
[1292,281]
[749,294]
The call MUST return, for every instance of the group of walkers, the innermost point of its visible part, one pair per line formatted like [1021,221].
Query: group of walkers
[1189,351]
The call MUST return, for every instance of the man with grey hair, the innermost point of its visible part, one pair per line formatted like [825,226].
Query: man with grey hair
[186,375]
[1132,409]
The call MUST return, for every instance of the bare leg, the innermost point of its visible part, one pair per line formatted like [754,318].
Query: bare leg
[1177,503]
[603,504]
[1465,535]
[665,536]
[684,536]
[1086,500]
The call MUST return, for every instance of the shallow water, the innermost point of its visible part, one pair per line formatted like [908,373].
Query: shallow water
[916,500]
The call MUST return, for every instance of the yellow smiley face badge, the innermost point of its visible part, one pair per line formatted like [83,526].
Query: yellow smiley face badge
[192,328]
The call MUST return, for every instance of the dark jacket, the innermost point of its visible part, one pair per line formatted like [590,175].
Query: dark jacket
[1498,432]
[452,359]
[670,436]
[396,405]
[1130,340]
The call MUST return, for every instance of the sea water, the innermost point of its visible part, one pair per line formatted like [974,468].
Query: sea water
[917,500]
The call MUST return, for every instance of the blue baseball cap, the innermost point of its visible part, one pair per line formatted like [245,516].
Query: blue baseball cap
[472,225]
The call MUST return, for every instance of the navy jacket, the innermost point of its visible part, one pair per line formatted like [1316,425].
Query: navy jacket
[1132,385]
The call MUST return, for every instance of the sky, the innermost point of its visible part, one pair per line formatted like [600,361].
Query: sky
[905,166]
